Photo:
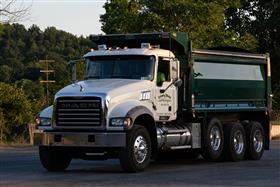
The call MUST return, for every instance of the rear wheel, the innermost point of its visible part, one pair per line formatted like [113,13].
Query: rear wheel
[213,140]
[235,142]
[255,141]
[54,159]
[136,155]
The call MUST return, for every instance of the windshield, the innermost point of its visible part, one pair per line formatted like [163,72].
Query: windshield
[125,67]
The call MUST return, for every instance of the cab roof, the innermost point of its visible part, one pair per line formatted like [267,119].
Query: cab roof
[131,51]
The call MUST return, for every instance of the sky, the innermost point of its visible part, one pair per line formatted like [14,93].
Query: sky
[79,17]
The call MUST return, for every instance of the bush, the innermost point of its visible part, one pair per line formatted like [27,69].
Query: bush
[15,112]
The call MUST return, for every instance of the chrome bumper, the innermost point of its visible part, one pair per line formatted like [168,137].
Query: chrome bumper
[80,139]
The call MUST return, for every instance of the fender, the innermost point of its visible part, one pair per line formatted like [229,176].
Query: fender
[146,121]
[46,112]
[137,111]
[131,109]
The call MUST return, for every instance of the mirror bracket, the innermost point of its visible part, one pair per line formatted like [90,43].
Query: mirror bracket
[176,82]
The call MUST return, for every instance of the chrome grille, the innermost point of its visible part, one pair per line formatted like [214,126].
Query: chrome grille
[78,111]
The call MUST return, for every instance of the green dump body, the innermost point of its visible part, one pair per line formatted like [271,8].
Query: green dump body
[212,80]
[230,81]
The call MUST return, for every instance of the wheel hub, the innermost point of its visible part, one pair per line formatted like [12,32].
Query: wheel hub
[238,142]
[258,141]
[215,138]
[140,149]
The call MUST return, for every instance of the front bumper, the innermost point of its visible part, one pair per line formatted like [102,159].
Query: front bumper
[80,139]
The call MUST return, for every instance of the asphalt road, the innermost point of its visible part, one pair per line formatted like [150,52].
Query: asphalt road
[21,167]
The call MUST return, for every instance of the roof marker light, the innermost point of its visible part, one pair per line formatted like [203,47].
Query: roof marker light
[165,35]
[146,45]
[102,47]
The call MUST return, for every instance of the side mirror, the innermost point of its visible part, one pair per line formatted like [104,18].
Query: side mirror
[73,71]
[178,82]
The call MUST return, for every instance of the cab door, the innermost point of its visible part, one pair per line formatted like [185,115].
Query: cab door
[166,92]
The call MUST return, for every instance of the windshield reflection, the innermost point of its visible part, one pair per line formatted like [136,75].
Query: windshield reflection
[123,67]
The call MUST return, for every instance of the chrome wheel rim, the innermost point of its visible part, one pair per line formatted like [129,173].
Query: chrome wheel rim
[258,141]
[215,138]
[238,142]
[140,149]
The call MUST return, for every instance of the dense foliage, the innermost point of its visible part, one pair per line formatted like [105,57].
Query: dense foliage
[204,21]
[15,110]
[22,96]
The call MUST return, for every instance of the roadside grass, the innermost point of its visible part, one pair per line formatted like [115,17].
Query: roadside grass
[17,142]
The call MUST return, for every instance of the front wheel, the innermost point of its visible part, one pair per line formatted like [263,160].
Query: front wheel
[54,159]
[136,155]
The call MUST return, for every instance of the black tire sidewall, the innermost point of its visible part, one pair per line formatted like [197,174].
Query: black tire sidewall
[54,159]
[127,158]
[231,154]
[208,152]
[251,153]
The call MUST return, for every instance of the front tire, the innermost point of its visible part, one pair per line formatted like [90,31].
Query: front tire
[136,155]
[213,140]
[235,142]
[255,141]
[54,159]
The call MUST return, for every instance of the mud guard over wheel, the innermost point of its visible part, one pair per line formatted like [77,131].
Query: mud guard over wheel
[136,155]
[213,140]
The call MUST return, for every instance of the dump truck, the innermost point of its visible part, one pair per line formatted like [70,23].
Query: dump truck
[148,94]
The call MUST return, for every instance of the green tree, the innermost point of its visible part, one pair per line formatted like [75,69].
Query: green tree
[203,21]
[2,126]
[34,91]
[21,49]
[1,30]
[6,73]
[15,109]
[122,16]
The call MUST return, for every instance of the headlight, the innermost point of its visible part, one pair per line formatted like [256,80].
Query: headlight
[120,122]
[45,122]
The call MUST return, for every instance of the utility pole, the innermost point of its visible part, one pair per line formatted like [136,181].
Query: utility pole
[47,72]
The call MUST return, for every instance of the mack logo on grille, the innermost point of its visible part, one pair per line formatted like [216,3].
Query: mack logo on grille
[79,112]
[79,105]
